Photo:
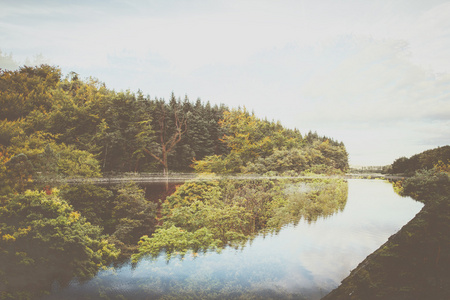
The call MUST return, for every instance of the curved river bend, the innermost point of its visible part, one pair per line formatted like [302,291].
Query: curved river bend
[303,261]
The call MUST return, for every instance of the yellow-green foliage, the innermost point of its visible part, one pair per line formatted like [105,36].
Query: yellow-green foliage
[41,149]
[43,237]
[122,210]
[258,146]
[398,186]
[175,240]
[77,163]
[428,159]
[323,198]
[211,164]
[5,186]
[38,157]
[442,167]
[212,214]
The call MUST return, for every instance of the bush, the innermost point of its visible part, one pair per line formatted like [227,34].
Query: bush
[427,184]
[43,239]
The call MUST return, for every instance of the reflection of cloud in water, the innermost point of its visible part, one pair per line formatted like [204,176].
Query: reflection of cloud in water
[373,213]
[308,258]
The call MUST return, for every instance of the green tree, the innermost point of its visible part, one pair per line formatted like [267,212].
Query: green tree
[27,89]
[43,239]
[122,211]
[94,202]
[260,146]
[133,215]
[171,126]
[19,170]
[424,160]
[5,184]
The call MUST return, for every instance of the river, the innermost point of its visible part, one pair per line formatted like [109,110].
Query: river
[302,261]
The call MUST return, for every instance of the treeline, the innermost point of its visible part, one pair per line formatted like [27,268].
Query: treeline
[425,160]
[122,130]
[261,147]
[54,126]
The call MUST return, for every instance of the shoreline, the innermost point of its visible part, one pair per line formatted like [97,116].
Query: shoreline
[181,177]
[412,264]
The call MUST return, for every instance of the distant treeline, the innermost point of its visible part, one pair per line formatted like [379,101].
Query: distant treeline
[425,160]
[370,169]
[50,124]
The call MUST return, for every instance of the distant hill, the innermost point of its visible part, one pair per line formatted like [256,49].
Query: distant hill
[425,160]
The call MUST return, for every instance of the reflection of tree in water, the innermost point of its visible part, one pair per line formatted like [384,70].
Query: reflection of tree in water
[43,239]
[313,200]
[212,214]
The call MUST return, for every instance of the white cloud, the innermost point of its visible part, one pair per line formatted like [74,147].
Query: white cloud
[378,84]
[430,38]
[336,67]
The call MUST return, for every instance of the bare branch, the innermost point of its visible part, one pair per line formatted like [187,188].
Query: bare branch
[154,156]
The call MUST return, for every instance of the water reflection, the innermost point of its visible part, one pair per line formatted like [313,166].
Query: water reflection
[211,214]
[303,260]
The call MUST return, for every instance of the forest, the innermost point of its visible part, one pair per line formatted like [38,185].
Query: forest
[51,124]
[55,127]
[428,159]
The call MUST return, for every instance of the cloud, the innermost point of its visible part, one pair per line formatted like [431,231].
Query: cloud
[429,36]
[191,35]
[378,84]
[363,72]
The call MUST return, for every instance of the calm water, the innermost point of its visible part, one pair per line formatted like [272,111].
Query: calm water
[302,261]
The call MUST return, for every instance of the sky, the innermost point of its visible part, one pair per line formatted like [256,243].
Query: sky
[373,74]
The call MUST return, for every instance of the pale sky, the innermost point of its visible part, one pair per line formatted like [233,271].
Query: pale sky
[373,74]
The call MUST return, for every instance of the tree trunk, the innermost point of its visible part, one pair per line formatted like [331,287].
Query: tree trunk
[168,143]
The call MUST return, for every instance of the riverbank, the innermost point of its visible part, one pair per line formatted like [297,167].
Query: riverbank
[413,264]
[182,177]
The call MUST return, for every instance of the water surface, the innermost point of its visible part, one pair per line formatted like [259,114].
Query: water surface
[306,260]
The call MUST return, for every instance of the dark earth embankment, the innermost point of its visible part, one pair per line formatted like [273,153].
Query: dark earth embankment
[413,264]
